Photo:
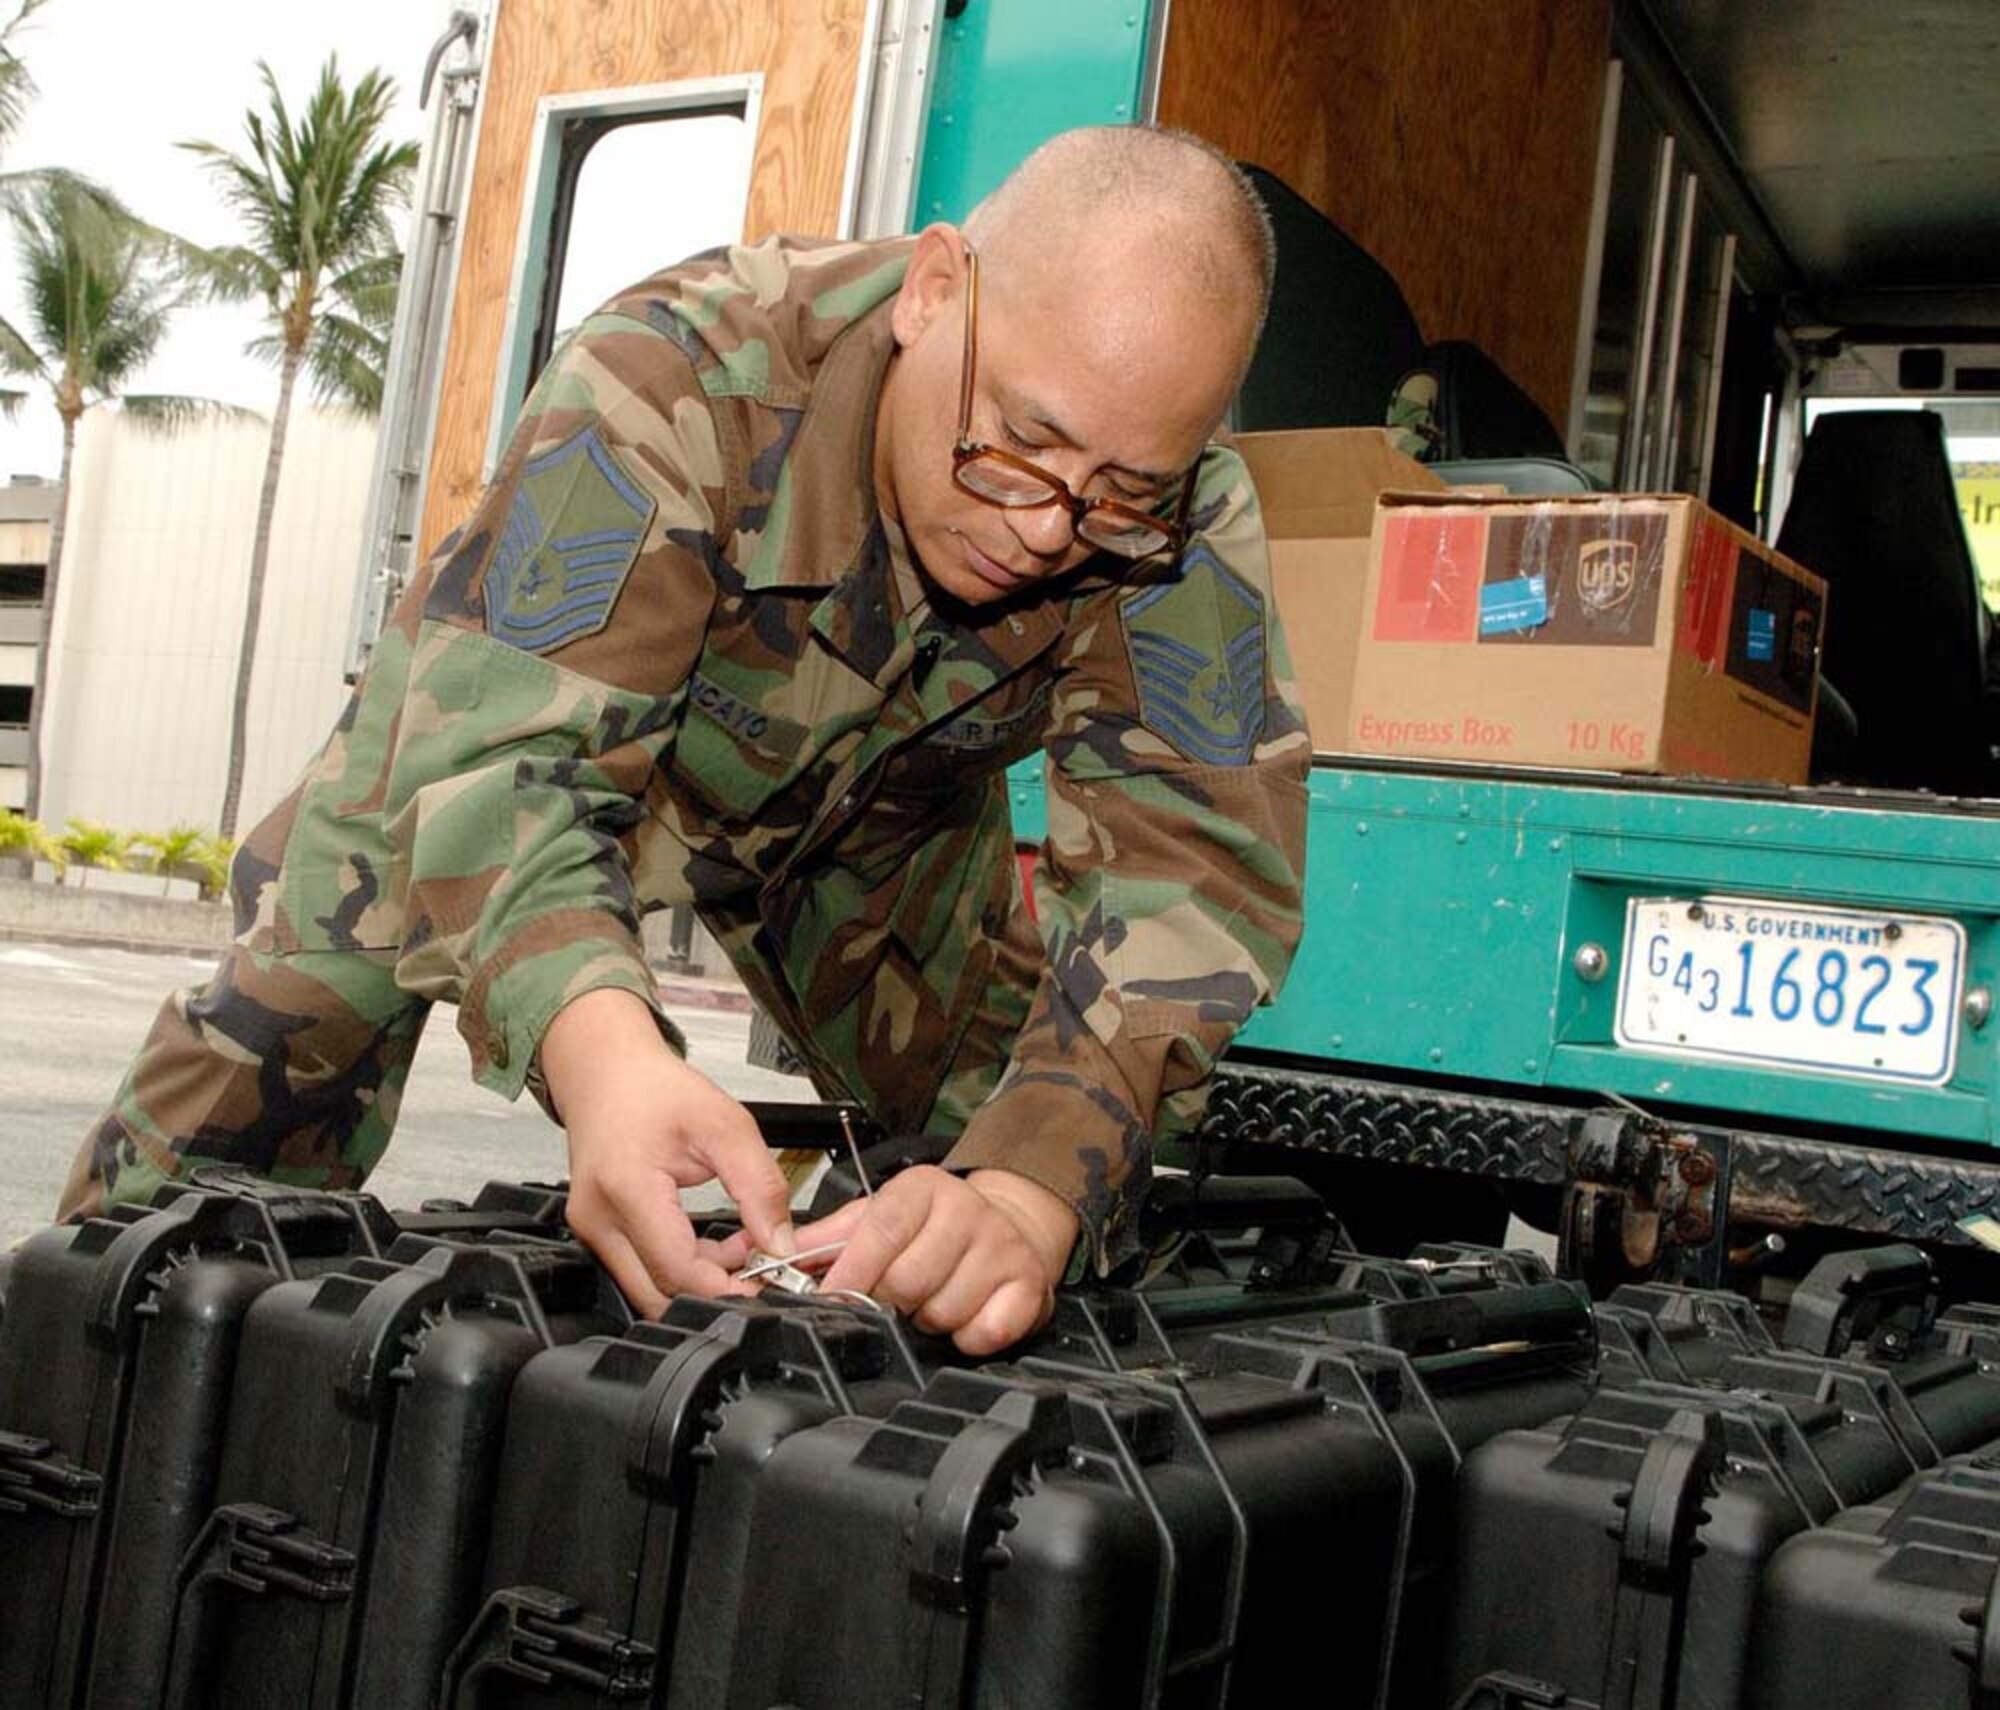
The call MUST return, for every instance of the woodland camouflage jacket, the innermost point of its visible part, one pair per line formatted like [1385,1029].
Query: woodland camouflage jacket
[676,655]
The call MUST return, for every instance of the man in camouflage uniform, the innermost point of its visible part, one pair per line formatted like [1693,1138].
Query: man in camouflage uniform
[743,622]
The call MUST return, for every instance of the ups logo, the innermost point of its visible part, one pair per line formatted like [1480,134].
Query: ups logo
[1606,573]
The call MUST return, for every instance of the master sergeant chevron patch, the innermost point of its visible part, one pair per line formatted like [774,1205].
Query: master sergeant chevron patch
[570,539]
[1197,651]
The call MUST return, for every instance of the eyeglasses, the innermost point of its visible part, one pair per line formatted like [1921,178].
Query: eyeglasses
[998,477]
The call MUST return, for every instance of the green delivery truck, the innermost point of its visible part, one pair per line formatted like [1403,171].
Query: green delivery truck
[1693,1029]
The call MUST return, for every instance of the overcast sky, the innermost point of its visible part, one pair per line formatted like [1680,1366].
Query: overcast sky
[121,81]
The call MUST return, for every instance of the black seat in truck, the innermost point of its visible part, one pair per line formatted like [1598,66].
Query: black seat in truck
[1340,333]
[1342,348]
[1874,512]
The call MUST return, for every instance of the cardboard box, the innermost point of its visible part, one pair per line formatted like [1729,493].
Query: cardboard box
[1631,633]
[1317,488]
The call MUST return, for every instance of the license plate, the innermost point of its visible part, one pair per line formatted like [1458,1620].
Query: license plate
[1865,994]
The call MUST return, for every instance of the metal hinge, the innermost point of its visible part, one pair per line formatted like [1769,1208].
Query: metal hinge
[544,1637]
[264,1549]
[34,1476]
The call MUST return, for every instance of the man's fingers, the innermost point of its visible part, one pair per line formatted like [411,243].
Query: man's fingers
[1015,1308]
[750,1175]
[731,1254]
[648,1217]
[945,1257]
[835,1226]
[888,1224]
[961,1295]
[617,1256]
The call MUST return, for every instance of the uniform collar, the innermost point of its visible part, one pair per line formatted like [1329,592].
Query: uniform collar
[824,507]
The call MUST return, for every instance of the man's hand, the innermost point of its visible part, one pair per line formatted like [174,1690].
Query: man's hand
[642,1125]
[976,1258]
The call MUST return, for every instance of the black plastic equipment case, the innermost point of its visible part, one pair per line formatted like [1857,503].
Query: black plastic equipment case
[1436,1376]
[1031,1535]
[1891,1607]
[499,1208]
[1190,1310]
[1871,1315]
[1881,1306]
[1616,1555]
[117,1355]
[1103,1523]
[339,1562]
[617,1568]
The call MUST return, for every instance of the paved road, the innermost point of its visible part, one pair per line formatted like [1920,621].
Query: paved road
[70,1020]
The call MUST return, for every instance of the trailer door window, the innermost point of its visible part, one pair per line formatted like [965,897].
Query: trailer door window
[620,183]
[645,192]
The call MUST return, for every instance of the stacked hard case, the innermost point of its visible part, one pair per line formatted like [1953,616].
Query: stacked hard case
[264,1447]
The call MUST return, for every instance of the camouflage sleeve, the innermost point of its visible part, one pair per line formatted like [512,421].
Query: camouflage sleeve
[495,765]
[1169,890]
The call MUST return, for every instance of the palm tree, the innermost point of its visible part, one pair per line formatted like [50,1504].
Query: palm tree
[24,841]
[88,845]
[100,291]
[170,853]
[15,83]
[17,88]
[319,197]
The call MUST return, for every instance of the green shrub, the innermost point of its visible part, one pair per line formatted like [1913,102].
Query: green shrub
[22,838]
[172,853]
[210,864]
[89,844]
[185,852]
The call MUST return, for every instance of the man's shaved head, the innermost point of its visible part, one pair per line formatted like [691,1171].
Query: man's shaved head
[1105,191]
[1122,274]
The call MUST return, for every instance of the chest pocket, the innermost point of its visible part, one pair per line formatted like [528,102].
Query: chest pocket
[730,756]
[985,739]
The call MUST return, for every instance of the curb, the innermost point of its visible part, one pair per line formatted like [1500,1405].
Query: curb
[110,941]
[675,991]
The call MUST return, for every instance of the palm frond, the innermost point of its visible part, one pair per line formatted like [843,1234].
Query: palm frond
[17,355]
[211,862]
[20,835]
[15,185]
[316,189]
[371,282]
[10,404]
[231,273]
[17,87]
[89,844]
[347,361]
[162,412]
[99,291]
[22,13]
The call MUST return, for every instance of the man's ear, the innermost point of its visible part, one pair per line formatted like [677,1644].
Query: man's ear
[936,274]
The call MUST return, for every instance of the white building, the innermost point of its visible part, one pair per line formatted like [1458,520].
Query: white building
[156,563]
[26,507]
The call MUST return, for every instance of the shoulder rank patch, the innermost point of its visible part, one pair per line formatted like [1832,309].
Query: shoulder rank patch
[1197,651]
[569,542]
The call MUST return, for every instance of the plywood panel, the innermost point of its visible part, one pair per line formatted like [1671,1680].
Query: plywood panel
[808,51]
[1455,140]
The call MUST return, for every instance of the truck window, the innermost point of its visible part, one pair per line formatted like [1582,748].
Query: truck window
[619,182]
[1972,436]
[644,191]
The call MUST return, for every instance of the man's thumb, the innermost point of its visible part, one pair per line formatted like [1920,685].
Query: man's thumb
[763,1198]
